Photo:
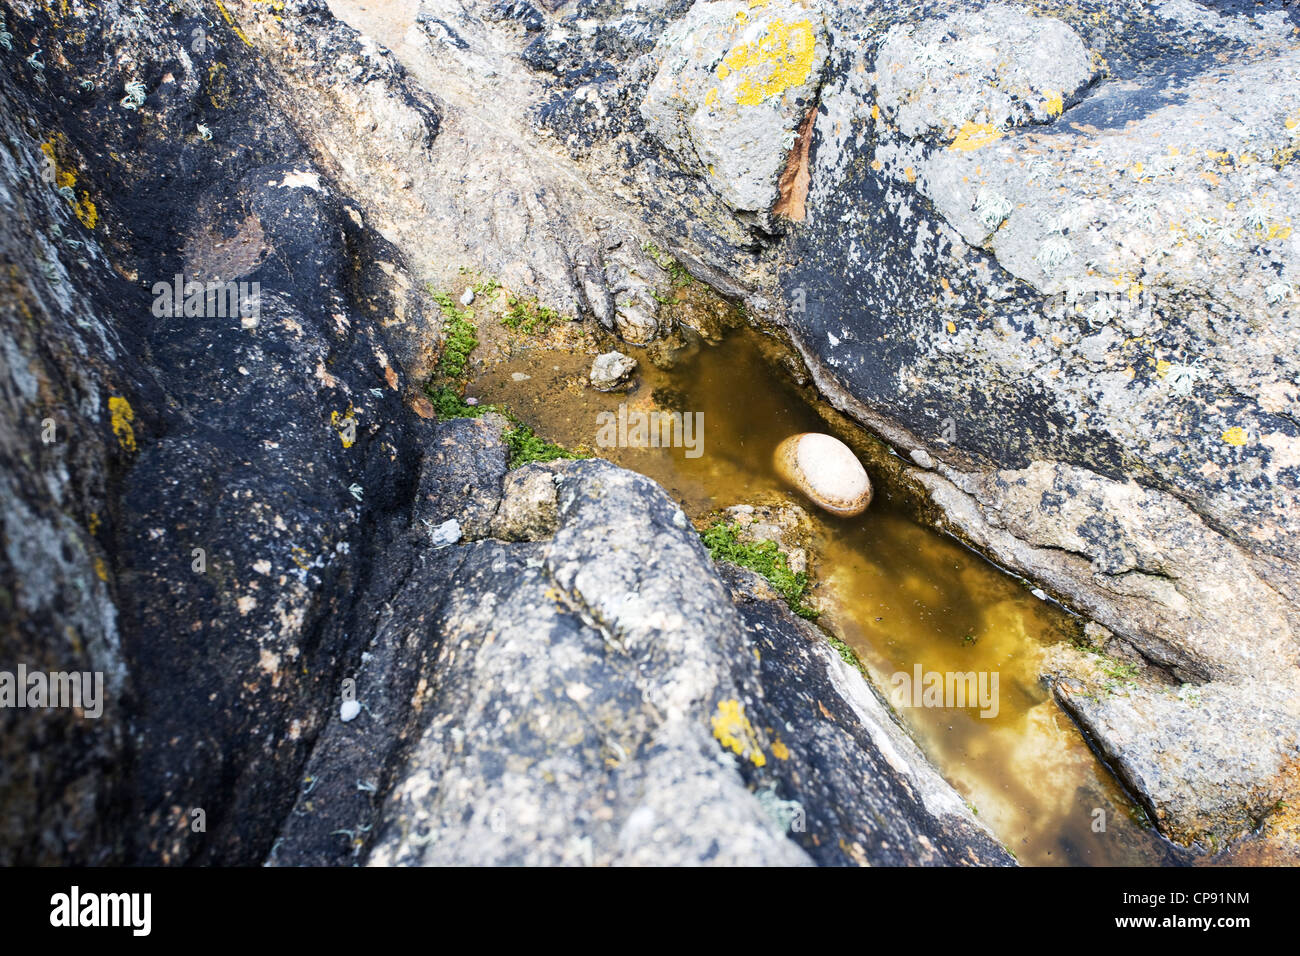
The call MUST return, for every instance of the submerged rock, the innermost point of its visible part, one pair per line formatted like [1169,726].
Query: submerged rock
[826,470]
[611,371]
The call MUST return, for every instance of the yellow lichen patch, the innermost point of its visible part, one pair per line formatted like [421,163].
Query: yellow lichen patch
[778,60]
[64,178]
[101,569]
[1054,104]
[1162,368]
[218,86]
[974,135]
[121,416]
[57,15]
[780,751]
[711,97]
[910,174]
[85,211]
[734,731]
[1235,436]
[952,328]
[93,524]
[346,425]
[233,25]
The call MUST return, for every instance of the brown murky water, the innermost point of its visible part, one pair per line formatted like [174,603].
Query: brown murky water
[896,591]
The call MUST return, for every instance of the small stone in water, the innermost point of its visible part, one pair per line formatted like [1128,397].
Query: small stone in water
[520,376]
[826,470]
[922,458]
[349,710]
[611,370]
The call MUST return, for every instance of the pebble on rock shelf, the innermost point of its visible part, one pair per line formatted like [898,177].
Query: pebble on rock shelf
[826,470]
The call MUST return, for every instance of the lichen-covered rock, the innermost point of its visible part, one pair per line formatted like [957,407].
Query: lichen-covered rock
[1081,311]
[734,82]
[972,75]
[1033,250]
[576,703]
[1198,790]
[528,509]
[198,525]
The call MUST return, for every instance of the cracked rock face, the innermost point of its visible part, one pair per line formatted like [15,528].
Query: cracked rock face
[1193,788]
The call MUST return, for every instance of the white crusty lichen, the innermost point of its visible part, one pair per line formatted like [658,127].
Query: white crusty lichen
[788,815]
[992,208]
[1277,293]
[1256,217]
[1210,230]
[1101,311]
[135,95]
[1054,252]
[1181,379]
[1142,208]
